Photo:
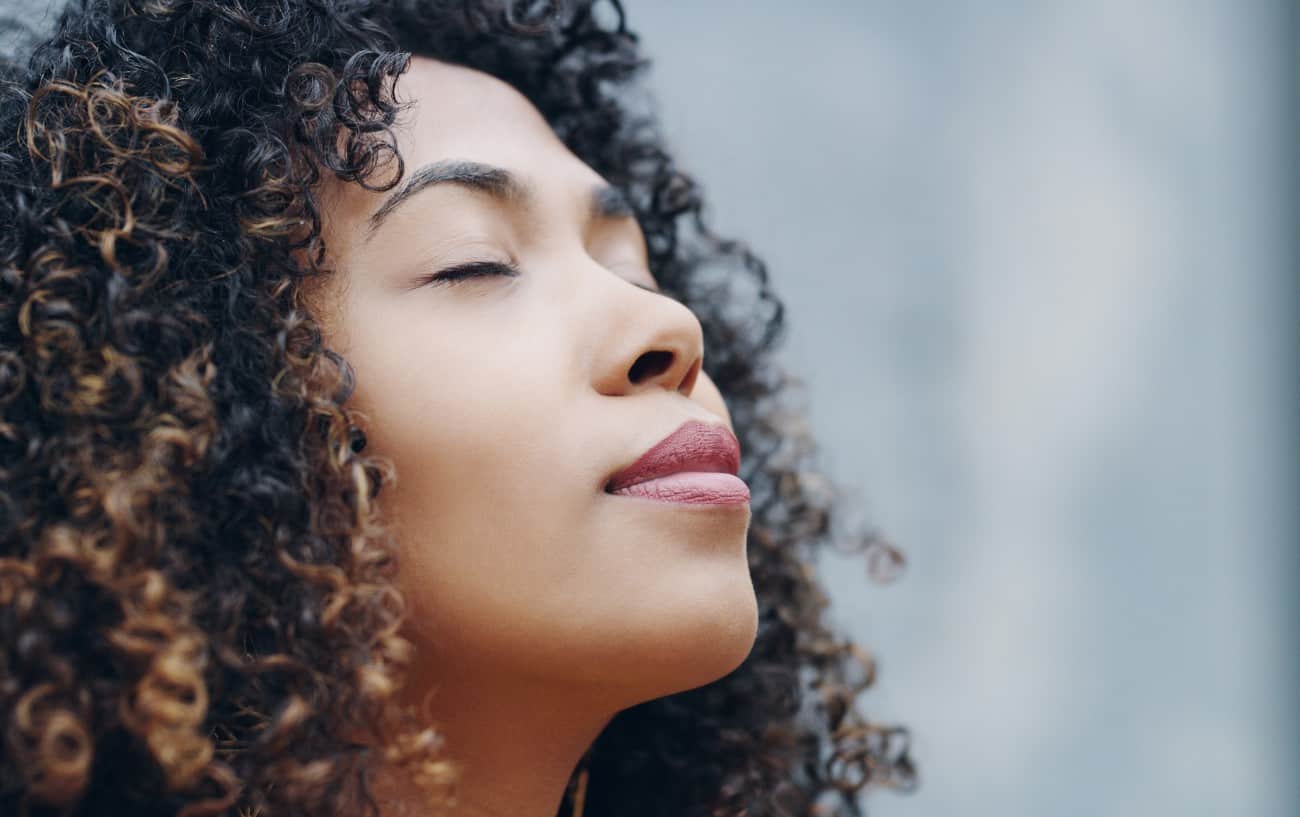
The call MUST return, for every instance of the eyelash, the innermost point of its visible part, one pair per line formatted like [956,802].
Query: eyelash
[472,269]
[485,269]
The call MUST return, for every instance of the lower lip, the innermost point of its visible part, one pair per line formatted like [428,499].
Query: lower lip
[692,488]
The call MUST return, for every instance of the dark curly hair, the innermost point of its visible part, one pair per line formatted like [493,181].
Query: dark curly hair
[196,608]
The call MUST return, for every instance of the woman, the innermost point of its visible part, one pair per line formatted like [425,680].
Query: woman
[261,259]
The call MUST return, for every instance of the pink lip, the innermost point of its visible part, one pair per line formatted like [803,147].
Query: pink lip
[697,463]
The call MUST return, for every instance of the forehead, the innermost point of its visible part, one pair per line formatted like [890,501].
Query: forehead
[452,112]
[456,112]
[464,113]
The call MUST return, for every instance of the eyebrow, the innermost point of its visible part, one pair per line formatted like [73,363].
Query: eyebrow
[606,200]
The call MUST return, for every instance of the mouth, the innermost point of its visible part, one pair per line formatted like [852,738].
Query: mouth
[696,464]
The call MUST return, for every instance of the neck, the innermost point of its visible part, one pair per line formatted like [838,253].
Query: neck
[516,741]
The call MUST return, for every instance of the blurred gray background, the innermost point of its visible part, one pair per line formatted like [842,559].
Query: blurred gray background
[1038,262]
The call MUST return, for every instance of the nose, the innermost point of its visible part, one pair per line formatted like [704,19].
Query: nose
[651,342]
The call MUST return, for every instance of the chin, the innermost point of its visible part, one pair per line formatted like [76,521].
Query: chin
[700,650]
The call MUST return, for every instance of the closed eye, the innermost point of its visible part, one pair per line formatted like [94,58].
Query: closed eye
[487,269]
[472,269]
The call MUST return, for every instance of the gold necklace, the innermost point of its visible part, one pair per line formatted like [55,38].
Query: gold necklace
[581,794]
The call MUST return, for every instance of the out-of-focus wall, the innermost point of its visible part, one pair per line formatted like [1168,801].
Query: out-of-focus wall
[1038,262]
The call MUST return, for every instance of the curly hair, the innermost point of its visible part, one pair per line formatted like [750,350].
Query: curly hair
[197,612]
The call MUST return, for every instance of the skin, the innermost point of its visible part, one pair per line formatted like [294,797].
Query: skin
[539,605]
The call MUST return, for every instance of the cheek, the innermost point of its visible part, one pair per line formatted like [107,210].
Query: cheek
[488,494]
[449,390]
[468,427]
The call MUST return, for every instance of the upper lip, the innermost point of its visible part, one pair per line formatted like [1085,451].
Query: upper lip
[694,446]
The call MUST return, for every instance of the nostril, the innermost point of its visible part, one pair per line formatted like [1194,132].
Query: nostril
[650,364]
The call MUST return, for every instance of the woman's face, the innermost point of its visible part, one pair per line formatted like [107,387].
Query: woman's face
[507,403]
